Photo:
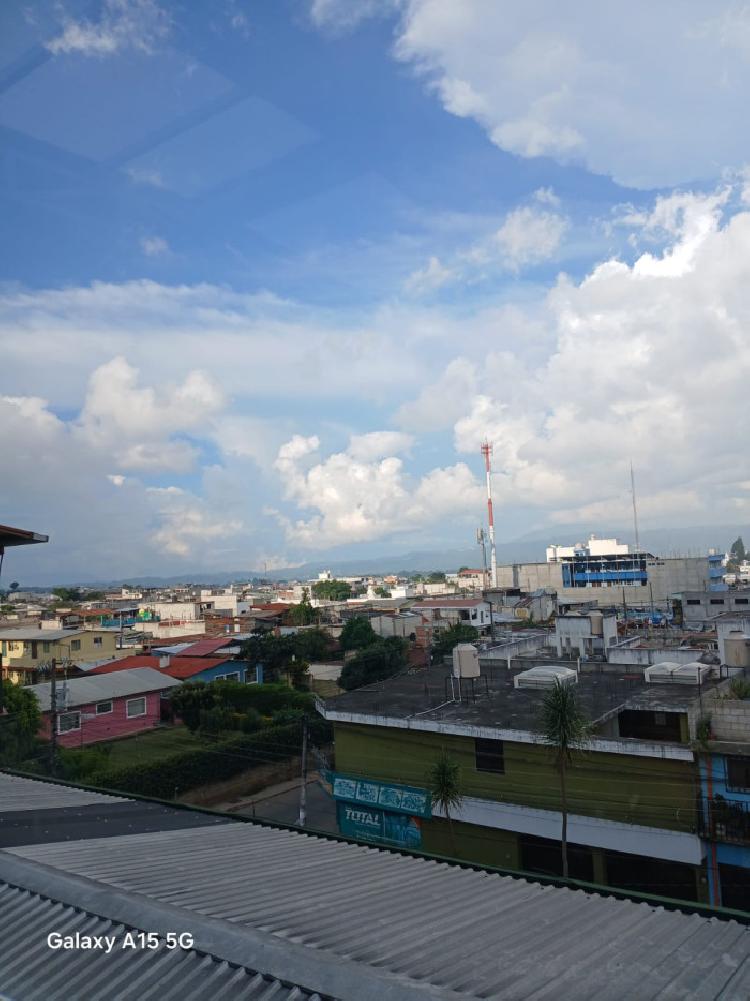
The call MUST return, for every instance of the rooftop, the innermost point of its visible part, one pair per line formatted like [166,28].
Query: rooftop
[353,922]
[19,537]
[35,633]
[94,688]
[450,603]
[178,667]
[498,704]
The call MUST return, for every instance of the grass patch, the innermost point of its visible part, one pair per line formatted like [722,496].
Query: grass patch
[143,748]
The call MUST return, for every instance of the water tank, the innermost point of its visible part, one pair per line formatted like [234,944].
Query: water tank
[736,649]
[597,623]
[465,661]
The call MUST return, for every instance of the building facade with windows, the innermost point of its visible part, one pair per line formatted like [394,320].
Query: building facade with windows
[104,707]
[631,795]
[23,651]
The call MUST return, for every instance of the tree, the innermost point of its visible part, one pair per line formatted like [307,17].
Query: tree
[378,661]
[191,700]
[14,585]
[273,652]
[357,634]
[444,783]
[302,614]
[312,645]
[564,728]
[19,724]
[737,552]
[460,633]
[332,590]
[436,577]
[382,593]
[66,593]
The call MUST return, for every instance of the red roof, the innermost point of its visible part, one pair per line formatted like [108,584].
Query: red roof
[272,606]
[204,648]
[186,667]
[125,664]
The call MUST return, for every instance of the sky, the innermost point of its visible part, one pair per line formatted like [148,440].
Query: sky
[272,271]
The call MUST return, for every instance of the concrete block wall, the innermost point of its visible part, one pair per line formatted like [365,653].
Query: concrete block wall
[730,718]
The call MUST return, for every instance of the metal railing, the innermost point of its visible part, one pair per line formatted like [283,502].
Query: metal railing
[725,820]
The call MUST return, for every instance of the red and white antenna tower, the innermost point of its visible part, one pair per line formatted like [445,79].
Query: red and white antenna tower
[487,452]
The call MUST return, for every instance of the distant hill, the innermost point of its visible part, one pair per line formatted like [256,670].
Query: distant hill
[528,549]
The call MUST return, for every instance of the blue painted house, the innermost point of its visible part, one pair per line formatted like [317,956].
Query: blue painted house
[724,817]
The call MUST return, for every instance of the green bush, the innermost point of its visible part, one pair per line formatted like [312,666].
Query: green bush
[739,688]
[79,764]
[179,772]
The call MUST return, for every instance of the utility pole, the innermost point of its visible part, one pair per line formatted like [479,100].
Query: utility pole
[302,820]
[53,720]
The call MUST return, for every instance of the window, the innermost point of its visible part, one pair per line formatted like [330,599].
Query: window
[135,707]
[738,774]
[660,719]
[717,601]
[68,721]
[488,756]
[740,601]
[98,641]
[45,646]
[75,644]
[693,601]
[103,707]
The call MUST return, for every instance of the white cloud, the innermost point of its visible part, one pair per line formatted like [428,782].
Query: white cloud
[117,479]
[651,361]
[344,15]
[124,24]
[431,277]
[651,95]
[361,494]
[185,520]
[142,175]
[154,246]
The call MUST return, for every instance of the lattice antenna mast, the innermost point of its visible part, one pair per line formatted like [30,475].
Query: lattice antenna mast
[487,453]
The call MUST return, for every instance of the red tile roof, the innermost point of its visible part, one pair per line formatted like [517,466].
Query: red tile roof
[125,664]
[271,606]
[186,667]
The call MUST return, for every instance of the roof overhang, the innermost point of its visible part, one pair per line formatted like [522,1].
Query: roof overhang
[19,537]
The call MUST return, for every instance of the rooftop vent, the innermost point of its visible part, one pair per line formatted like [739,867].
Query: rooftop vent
[693,673]
[545,676]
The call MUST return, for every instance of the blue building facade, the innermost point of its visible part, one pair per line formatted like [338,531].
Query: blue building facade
[585,570]
[230,670]
[724,818]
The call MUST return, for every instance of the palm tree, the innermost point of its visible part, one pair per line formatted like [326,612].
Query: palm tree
[565,729]
[445,790]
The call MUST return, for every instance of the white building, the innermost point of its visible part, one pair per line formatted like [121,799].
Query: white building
[579,635]
[594,547]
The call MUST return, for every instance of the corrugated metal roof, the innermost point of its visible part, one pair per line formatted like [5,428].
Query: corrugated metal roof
[18,794]
[43,635]
[30,970]
[204,648]
[419,923]
[94,688]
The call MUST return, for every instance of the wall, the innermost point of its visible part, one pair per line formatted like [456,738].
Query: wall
[92,645]
[653,792]
[106,726]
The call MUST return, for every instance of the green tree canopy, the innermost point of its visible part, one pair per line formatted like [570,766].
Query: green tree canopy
[302,614]
[737,550]
[435,577]
[332,590]
[357,634]
[67,594]
[191,700]
[376,662]
[451,637]
[19,725]
[444,783]
[312,644]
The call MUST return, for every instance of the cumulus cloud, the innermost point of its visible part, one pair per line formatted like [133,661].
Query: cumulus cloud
[651,95]
[344,15]
[528,236]
[124,24]
[362,494]
[649,361]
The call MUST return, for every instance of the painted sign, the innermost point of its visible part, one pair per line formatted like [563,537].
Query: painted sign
[400,799]
[369,823]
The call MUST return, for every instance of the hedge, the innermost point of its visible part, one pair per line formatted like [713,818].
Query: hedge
[222,760]
[265,699]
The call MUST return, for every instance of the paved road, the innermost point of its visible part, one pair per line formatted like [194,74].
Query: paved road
[284,808]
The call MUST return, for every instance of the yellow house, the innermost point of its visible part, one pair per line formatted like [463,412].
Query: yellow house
[24,651]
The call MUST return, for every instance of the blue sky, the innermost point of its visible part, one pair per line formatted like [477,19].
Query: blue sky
[273,270]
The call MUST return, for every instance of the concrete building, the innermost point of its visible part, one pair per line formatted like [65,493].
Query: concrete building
[631,796]
[589,635]
[468,611]
[699,609]
[24,651]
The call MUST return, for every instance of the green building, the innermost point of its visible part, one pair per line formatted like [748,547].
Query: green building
[632,792]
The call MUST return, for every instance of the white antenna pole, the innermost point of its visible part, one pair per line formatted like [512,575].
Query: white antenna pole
[487,452]
[635,509]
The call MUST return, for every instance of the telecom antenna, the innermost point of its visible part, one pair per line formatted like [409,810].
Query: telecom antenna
[487,452]
[635,509]
[481,541]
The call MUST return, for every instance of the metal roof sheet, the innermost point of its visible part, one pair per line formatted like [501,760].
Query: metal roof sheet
[94,688]
[31,970]
[18,794]
[427,926]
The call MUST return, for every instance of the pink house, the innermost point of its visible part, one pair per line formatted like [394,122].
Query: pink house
[103,707]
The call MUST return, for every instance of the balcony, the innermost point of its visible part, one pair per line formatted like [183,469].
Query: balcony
[724,820]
